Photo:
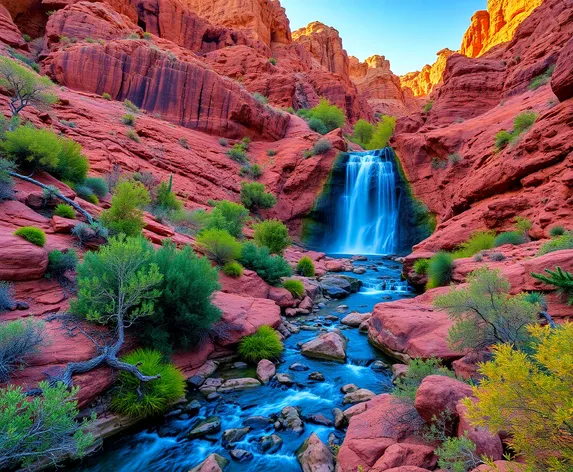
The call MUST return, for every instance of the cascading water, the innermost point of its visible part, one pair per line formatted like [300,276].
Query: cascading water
[367,216]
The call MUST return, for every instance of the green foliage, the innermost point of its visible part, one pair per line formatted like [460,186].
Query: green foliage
[85,233]
[18,339]
[131,106]
[295,287]
[147,36]
[529,396]
[317,125]
[454,158]
[32,234]
[6,182]
[72,165]
[118,282]
[438,163]
[219,246]
[484,313]
[440,270]
[165,198]
[523,122]
[254,171]
[331,116]
[264,344]
[418,369]
[106,96]
[131,134]
[557,231]
[92,199]
[428,107]
[41,428]
[223,142]
[322,146]
[233,269]
[271,152]
[228,216]
[183,143]
[307,153]
[502,139]
[97,185]
[421,266]
[363,132]
[272,234]
[125,216]
[270,268]
[60,262]
[383,132]
[273,61]
[305,267]
[32,148]
[254,197]
[510,237]
[537,298]
[561,279]
[479,241]
[259,97]
[558,243]
[140,399]
[65,211]
[523,225]
[237,154]
[128,119]
[542,79]
[457,454]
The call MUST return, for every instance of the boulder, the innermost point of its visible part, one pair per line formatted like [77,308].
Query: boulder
[20,259]
[406,454]
[208,426]
[270,444]
[290,420]
[358,396]
[265,371]
[234,435]
[319,418]
[487,444]
[257,422]
[316,376]
[438,393]
[315,456]
[328,346]
[213,463]
[298,367]
[285,379]
[355,319]
[241,455]
[502,466]
[340,419]
[234,385]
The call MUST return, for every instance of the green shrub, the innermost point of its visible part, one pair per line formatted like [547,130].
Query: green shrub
[184,312]
[125,216]
[322,146]
[32,148]
[438,163]
[363,132]
[523,122]
[558,243]
[510,237]
[86,233]
[496,257]
[219,246]
[537,298]
[245,142]
[131,106]
[128,119]
[271,152]
[561,279]
[307,153]
[317,126]
[454,158]
[502,139]
[41,429]
[273,61]
[295,287]
[18,339]
[440,270]
[418,369]
[147,36]
[272,234]
[131,134]
[140,399]
[237,154]
[92,199]
[106,96]
[523,225]
[332,116]
[223,142]
[228,216]
[458,454]
[428,106]
[233,269]
[259,97]
[72,165]
[479,241]
[98,186]
[165,198]
[32,234]
[264,344]
[305,267]
[65,211]
[542,79]
[421,266]
[253,171]
[383,132]
[254,197]
[84,192]
[60,262]
[270,268]
[557,231]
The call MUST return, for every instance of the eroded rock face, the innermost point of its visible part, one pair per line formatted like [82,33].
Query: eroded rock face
[562,79]
[422,83]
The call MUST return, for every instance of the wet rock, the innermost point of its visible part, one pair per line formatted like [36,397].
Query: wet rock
[309,328]
[340,419]
[359,270]
[285,379]
[239,365]
[315,456]
[316,376]
[328,346]
[265,371]
[257,422]
[319,418]
[339,286]
[234,435]
[379,365]
[233,385]
[342,308]
[355,319]
[210,386]
[298,367]
[363,328]
[270,444]
[359,258]
[349,388]
[283,331]
[195,382]
[292,328]
[331,318]
[210,425]
[333,440]
[240,455]
[213,396]
[213,463]
[193,407]
[359,396]
[207,369]
[290,420]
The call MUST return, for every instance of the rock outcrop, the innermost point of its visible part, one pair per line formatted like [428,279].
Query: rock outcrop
[422,83]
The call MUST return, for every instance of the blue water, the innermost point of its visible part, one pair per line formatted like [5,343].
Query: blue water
[163,447]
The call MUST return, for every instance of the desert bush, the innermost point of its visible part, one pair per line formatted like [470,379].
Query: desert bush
[510,237]
[479,241]
[32,148]
[440,270]
[305,267]
[363,131]
[383,132]
[295,287]
[84,192]
[97,185]
[237,154]
[136,399]
[32,234]
[18,339]
[264,344]
[253,171]
[41,429]
[128,119]
[561,279]
[421,266]
[307,153]
[6,182]
[438,163]
[524,121]
[165,199]
[89,232]
[131,106]
[228,216]
[556,231]
[259,97]
[272,234]
[537,298]
[219,246]
[331,116]
[254,197]
[418,369]
[273,61]
[523,225]
[271,152]
[125,216]
[106,96]
[131,134]
[317,126]
[270,268]
[65,211]
[454,158]
[428,107]
[223,142]
[528,395]
[458,454]
[183,143]
[233,269]
[322,146]
[484,313]
[542,79]
[502,139]
[6,296]
[60,262]
[558,243]
[496,257]
[72,165]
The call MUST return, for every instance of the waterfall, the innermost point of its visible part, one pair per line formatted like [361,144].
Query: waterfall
[366,219]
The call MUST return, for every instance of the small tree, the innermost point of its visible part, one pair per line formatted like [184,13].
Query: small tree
[228,216]
[125,215]
[254,197]
[363,131]
[485,314]
[383,132]
[24,86]
[272,234]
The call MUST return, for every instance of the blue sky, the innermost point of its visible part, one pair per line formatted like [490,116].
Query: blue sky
[408,32]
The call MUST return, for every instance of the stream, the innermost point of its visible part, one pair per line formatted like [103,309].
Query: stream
[164,446]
